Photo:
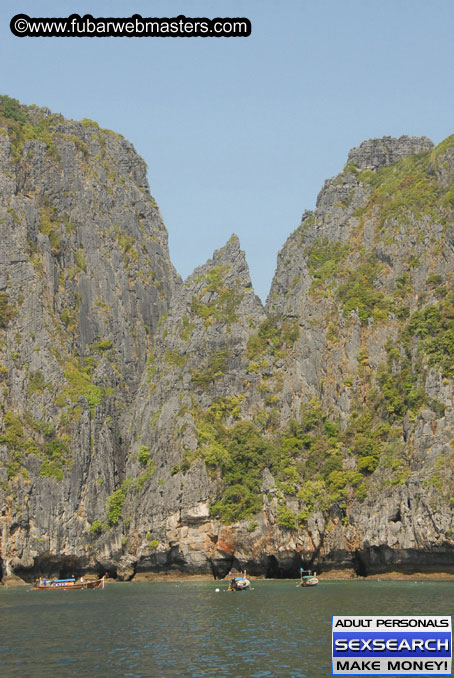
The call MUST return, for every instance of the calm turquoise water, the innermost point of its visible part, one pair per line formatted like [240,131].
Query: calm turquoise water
[149,630]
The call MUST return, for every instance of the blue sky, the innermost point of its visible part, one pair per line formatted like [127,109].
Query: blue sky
[240,133]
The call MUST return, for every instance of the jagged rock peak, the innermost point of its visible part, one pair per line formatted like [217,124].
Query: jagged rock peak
[230,255]
[376,153]
[230,251]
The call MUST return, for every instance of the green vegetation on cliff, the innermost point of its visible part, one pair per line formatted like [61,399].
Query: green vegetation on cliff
[216,301]
[324,257]
[433,328]
[308,451]
[274,336]
[22,127]
[354,287]
[26,437]
[7,312]
[408,188]
[212,369]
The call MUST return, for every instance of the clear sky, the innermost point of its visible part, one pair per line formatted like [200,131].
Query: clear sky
[240,133]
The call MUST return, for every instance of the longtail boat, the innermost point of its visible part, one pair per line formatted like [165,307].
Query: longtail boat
[308,578]
[66,584]
[239,583]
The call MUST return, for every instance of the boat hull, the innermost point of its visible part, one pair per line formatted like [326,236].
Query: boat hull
[241,585]
[312,581]
[69,587]
[242,588]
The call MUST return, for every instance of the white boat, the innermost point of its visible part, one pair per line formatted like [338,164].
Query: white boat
[308,578]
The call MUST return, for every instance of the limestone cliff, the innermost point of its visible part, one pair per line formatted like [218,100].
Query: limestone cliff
[369,277]
[84,278]
[151,424]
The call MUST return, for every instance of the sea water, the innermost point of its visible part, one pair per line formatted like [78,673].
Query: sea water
[170,630]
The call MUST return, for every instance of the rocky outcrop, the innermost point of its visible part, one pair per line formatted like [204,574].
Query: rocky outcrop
[150,424]
[377,153]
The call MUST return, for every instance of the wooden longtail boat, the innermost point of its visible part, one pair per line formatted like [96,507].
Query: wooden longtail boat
[66,584]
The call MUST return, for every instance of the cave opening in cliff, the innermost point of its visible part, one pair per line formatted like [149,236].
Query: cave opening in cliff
[273,571]
[359,564]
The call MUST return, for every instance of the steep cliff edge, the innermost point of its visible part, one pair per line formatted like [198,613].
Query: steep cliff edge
[369,277]
[149,424]
[84,278]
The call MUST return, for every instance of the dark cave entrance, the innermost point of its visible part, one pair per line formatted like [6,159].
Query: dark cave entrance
[272,571]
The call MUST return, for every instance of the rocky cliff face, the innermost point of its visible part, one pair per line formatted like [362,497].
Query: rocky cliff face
[149,424]
[370,276]
[84,278]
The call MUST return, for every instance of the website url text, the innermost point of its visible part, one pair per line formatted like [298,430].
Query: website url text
[135,26]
